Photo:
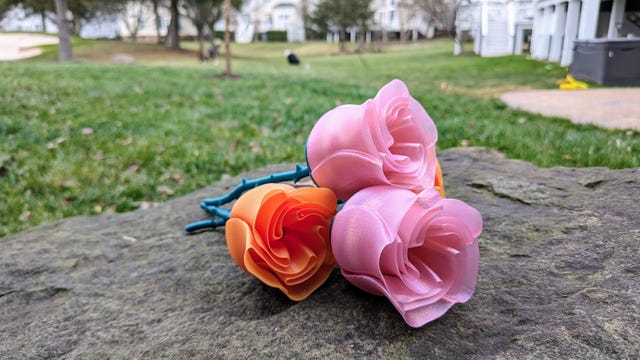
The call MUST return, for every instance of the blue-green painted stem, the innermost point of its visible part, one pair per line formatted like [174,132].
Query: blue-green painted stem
[212,205]
[295,175]
[216,211]
[205,224]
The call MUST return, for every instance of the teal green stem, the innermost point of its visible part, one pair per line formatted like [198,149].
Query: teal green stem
[204,224]
[212,205]
[216,211]
[295,175]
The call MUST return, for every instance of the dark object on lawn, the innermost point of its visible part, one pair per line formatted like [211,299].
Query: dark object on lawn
[5,160]
[213,52]
[291,57]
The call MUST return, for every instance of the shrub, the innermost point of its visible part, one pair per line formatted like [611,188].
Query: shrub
[276,36]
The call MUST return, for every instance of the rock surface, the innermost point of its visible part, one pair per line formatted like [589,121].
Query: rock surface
[559,277]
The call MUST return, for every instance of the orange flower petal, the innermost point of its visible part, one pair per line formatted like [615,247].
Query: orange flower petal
[248,205]
[439,183]
[280,234]
[239,238]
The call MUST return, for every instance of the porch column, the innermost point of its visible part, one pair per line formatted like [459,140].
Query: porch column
[588,19]
[477,40]
[511,26]
[616,19]
[570,32]
[536,30]
[543,51]
[519,40]
[557,32]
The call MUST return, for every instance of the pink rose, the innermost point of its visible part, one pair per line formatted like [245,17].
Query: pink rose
[386,140]
[419,250]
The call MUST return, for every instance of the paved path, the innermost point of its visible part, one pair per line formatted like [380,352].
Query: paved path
[612,108]
[16,46]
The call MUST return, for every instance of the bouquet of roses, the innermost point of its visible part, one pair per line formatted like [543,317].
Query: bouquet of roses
[395,234]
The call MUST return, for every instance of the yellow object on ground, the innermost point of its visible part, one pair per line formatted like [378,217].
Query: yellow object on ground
[569,83]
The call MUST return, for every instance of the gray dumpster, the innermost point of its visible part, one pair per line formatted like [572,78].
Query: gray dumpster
[607,61]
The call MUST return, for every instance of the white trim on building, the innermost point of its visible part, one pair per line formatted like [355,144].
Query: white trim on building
[254,19]
[402,17]
[257,17]
[498,27]
[558,23]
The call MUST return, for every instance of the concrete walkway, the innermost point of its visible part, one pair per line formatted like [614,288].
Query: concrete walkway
[612,108]
[16,46]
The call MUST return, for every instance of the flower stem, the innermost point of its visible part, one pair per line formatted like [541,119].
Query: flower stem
[205,224]
[294,175]
[225,214]
[211,205]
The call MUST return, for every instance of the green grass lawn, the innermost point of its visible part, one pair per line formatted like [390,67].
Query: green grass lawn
[94,137]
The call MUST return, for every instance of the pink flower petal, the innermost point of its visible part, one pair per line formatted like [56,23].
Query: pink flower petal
[362,169]
[418,250]
[386,140]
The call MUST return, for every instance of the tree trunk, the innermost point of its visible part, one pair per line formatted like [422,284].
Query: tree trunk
[43,19]
[305,9]
[212,31]
[200,31]
[227,37]
[64,36]
[167,39]
[157,19]
[76,24]
[403,36]
[173,36]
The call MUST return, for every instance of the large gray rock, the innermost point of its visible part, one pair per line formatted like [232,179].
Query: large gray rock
[559,277]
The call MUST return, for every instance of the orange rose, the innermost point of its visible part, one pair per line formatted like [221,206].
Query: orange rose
[280,234]
[439,183]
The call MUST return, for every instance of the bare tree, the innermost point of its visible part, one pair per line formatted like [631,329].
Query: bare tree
[173,34]
[84,11]
[156,14]
[406,12]
[341,15]
[133,13]
[64,35]
[38,7]
[441,13]
[202,13]
[227,38]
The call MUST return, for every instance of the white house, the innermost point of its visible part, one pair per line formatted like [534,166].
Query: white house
[498,27]
[401,17]
[17,19]
[255,18]
[501,27]
[108,27]
[260,16]
[390,17]
[558,23]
